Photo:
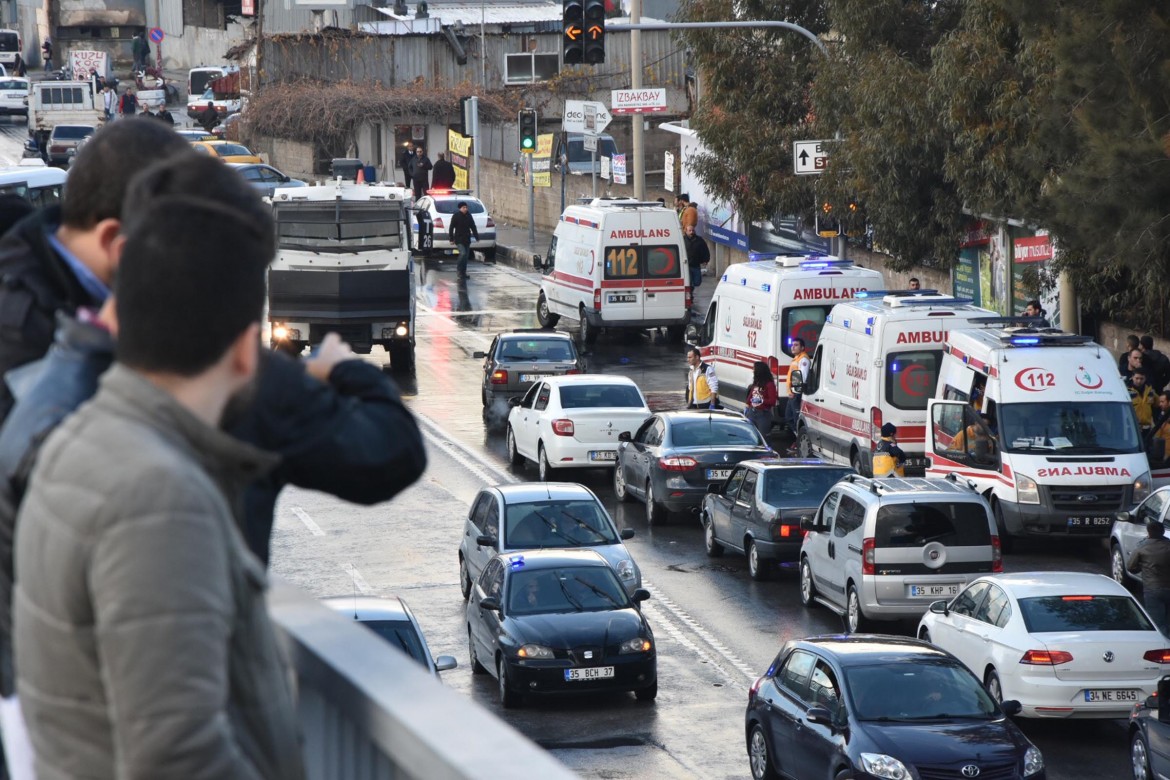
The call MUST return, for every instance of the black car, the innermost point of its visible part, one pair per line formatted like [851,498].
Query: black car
[518,359]
[559,621]
[870,706]
[672,458]
[758,509]
[1149,735]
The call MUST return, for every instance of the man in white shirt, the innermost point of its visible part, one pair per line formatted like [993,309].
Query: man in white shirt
[702,383]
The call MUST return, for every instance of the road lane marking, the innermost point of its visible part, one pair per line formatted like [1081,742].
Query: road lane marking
[359,582]
[482,469]
[474,312]
[303,516]
[681,615]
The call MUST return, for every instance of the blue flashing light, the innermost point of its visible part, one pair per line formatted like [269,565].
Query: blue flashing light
[756,257]
[814,266]
[861,294]
[1025,341]
[766,287]
[723,278]
[869,320]
[845,323]
[868,330]
[743,282]
[894,367]
[516,561]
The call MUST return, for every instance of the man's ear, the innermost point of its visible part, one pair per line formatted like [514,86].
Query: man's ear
[110,241]
[245,352]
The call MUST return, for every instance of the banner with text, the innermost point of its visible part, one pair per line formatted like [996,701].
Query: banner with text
[1030,256]
[619,169]
[542,161]
[459,155]
[668,170]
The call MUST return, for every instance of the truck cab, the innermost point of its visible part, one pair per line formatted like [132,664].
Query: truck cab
[53,103]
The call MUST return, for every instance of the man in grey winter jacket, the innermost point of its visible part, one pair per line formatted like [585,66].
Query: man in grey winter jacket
[143,644]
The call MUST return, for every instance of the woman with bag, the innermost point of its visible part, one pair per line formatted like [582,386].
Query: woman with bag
[761,397]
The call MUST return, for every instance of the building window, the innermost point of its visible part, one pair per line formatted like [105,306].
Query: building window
[531,67]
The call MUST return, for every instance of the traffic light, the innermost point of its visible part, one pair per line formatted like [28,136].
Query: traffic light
[527,131]
[827,226]
[853,220]
[594,28]
[573,38]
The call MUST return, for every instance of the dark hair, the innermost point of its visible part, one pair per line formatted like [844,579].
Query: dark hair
[692,350]
[1147,342]
[172,291]
[1164,394]
[889,429]
[914,279]
[1140,372]
[792,342]
[105,164]
[761,374]
[1133,341]
[1035,304]
[1155,528]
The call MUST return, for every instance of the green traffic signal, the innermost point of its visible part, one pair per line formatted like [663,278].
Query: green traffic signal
[527,122]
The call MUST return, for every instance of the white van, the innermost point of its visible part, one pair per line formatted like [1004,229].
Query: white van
[877,362]
[37,183]
[11,44]
[1060,451]
[616,263]
[761,305]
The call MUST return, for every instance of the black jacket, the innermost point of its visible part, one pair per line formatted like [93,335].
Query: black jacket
[443,174]
[420,169]
[35,283]
[208,118]
[697,251]
[405,160]
[463,228]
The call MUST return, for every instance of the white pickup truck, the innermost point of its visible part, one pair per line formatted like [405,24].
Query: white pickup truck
[52,103]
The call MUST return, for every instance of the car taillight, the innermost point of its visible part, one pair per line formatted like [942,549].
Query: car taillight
[439,223]
[868,555]
[499,377]
[1046,657]
[678,463]
[490,222]
[1158,656]
[875,425]
[752,691]
[996,555]
[597,300]
[563,427]
[690,297]
[787,531]
[56,148]
[573,371]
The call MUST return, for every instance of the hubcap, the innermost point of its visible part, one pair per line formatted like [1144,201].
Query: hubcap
[709,536]
[649,500]
[994,689]
[753,559]
[805,582]
[854,609]
[759,757]
[543,466]
[1118,566]
[619,481]
[1139,759]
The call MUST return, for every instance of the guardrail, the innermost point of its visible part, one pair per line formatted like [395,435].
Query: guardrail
[368,712]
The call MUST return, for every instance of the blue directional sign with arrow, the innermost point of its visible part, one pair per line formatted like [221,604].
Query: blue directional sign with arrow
[810,157]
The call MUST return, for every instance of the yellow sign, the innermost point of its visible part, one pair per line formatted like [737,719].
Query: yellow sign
[542,161]
[459,144]
[461,179]
[544,144]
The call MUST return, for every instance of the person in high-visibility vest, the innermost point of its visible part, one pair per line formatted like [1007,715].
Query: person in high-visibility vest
[801,363]
[888,457]
[702,383]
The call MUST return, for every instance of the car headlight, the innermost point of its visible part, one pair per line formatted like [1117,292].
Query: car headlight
[626,570]
[1033,761]
[1141,488]
[638,644]
[1026,490]
[880,765]
[535,651]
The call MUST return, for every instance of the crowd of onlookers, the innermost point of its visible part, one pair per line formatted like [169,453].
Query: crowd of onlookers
[1146,371]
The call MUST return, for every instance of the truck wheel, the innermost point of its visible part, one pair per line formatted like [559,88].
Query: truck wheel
[401,355]
[489,255]
[675,333]
[586,333]
[545,317]
[858,466]
[1006,542]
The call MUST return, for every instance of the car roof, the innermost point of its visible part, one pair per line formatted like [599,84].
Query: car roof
[551,559]
[913,488]
[369,607]
[533,335]
[534,491]
[677,415]
[866,649]
[1039,584]
[792,463]
[590,379]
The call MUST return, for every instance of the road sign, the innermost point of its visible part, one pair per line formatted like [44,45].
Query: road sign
[590,142]
[810,157]
[574,121]
[638,101]
[156,34]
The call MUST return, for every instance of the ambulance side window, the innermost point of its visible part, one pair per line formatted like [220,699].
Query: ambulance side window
[804,323]
[911,378]
[814,372]
[707,332]
[552,253]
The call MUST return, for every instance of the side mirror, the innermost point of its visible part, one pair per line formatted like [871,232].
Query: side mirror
[1163,697]
[819,715]
[1010,707]
[445,662]
[797,382]
[537,262]
[1151,703]
[640,595]
[713,488]
[809,524]
[625,436]
[692,334]
[627,533]
[515,400]
[479,354]
[940,607]
[285,179]
[490,602]
[1124,517]
[484,540]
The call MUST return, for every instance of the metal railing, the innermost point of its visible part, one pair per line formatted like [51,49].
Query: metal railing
[368,712]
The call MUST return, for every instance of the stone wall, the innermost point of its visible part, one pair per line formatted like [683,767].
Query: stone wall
[293,158]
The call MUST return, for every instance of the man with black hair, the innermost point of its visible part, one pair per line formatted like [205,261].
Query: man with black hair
[462,229]
[61,258]
[163,662]
[1156,363]
[1151,560]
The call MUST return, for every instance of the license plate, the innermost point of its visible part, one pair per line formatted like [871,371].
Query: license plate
[1090,522]
[532,377]
[1112,694]
[713,474]
[589,673]
[606,455]
[624,298]
[915,463]
[933,590]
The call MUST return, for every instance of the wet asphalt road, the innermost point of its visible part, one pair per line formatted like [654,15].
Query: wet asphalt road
[716,629]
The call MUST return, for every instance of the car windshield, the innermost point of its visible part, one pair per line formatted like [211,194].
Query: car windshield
[601,397]
[340,226]
[401,634]
[14,84]
[713,432]
[917,690]
[795,486]
[71,132]
[565,589]
[552,523]
[451,205]
[1088,427]
[535,350]
[231,150]
[954,524]
[1083,613]
[9,41]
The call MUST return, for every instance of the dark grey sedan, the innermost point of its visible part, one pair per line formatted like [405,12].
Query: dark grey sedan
[672,458]
[518,359]
[758,510]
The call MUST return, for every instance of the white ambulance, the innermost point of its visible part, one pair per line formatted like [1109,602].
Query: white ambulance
[761,305]
[616,263]
[877,362]
[1042,423]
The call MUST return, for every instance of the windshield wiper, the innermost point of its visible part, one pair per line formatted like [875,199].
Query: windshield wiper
[552,527]
[582,524]
[568,597]
[598,591]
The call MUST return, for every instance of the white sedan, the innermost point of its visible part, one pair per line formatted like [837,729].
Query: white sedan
[573,421]
[1063,644]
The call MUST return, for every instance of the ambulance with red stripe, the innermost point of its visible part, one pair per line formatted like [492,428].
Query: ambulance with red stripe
[761,305]
[616,263]
[1041,423]
[877,362]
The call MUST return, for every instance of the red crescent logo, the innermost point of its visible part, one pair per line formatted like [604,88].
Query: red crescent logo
[914,380]
[592,261]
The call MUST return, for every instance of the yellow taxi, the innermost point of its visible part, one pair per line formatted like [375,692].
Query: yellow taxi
[228,151]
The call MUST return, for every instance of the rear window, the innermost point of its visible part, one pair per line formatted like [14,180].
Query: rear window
[642,262]
[805,323]
[71,131]
[228,150]
[958,524]
[9,41]
[448,206]
[400,634]
[1083,613]
[14,84]
[715,433]
[911,377]
[800,486]
[600,396]
[530,350]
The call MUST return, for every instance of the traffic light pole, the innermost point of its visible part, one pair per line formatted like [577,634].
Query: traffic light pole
[636,83]
[531,203]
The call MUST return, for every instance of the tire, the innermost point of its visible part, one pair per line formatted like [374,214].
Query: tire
[1116,565]
[675,333]
[758,568]
[759,755]
[993,685]
[489,255]
[401,355]
[509,699]
[586,333]
[808,588]
[924,634]
[844,774]
[1006,542]
[855,620]
[476,666]
[649,693]
[714,549]
[804,448]
[545,317]
[619,483]
[858,466]
[543,468]
[655,512]
[1139,756]
[514,456]
[464,578]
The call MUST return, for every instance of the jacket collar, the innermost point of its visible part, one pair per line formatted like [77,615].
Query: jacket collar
[60,288]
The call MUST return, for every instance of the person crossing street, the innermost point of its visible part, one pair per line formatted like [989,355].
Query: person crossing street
[462,230]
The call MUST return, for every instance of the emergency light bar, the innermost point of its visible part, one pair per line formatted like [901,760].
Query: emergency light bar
[884,293]
[1059,339]
[1007,322]
[934,300]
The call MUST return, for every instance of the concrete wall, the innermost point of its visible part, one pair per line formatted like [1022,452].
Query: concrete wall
[293,158]
[199,46]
